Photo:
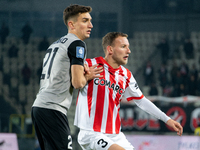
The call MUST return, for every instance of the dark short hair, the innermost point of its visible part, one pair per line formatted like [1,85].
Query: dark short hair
[73,11]
[109,38]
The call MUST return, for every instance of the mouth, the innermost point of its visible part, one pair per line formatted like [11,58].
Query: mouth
[89,31]
[125,57]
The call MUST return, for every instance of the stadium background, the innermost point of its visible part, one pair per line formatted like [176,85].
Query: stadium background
[146,22]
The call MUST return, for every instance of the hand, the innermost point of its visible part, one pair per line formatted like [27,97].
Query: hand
[176,126]
[92,72]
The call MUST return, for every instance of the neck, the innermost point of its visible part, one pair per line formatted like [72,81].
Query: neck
[73,32]
[112,63]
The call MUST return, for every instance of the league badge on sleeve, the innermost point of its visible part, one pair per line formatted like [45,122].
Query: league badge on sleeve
[80,52]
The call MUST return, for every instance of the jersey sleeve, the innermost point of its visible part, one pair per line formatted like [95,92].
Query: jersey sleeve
[77,52]
[152,109]
[132,92]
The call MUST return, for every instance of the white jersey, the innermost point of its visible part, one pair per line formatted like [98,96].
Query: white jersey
[98,103]
[55,84]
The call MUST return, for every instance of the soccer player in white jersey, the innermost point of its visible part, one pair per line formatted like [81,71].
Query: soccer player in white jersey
[63,69]
[98,103]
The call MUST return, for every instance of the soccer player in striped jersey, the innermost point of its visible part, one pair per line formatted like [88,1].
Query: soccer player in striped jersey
[63,69]
[98,103]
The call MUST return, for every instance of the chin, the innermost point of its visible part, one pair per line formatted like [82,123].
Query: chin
[123,63]
[87,36]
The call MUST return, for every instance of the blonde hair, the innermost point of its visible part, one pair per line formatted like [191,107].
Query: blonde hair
[109,38]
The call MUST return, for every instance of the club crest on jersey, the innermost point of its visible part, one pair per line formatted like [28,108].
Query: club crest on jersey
[113,86]
[80,52]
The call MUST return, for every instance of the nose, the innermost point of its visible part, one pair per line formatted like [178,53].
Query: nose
[129,51]
[90,25]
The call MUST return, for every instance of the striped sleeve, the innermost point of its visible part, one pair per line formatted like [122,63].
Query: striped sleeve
[132,91]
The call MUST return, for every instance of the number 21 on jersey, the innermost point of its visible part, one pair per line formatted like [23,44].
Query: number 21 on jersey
[48,62]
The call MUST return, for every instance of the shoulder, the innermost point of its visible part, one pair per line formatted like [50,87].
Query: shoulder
[93,61]
[124,69]
[77,44]
[126,73]
[74,40]
[71,41]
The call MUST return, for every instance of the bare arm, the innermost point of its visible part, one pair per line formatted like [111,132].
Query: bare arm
[81,75]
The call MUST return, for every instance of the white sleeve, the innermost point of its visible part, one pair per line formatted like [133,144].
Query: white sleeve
[132,91]
[152,109]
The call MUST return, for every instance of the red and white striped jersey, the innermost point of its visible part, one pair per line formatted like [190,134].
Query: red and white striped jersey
[98,103]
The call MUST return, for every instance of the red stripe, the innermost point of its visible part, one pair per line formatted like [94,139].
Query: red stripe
[117,101]
[109,122]
[129,76]
[90,90]
[131,98]
[99,106]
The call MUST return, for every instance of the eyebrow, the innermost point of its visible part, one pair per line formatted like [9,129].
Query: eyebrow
[86,18]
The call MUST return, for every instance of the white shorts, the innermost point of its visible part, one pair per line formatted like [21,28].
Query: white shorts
[90,140]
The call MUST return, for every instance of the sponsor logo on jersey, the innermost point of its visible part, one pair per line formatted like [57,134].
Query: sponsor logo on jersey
[136,86]
[80,52]
[113,86]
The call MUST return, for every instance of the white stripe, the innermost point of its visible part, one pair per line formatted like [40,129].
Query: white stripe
[106,101]
[94,97]
[125,76]
[115,110]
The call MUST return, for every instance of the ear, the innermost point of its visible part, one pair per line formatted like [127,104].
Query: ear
[109,49]
[71,24]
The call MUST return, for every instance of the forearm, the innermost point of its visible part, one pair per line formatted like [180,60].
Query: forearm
[81,76]
[78,78]
[152,109]
[79,82]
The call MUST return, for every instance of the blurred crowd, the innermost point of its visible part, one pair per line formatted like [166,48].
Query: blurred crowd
[180,80]
[174,79]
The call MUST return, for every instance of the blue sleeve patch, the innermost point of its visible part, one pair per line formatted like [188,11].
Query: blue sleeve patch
[80,52]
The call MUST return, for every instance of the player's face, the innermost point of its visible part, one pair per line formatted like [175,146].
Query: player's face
[121,50]
[83,26]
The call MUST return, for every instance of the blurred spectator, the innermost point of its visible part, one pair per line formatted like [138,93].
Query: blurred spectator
[179,78]
[13,51]
[176,87]
[184,70]
[194,71]
[163,46]
[163,78]
[167,90]
[26,74]
[175,91]
[173,73]
[44,44]
[188,49]
[182,90]
[148,73]
[153,89]
[179,90]
[192,85]
[4,32]
[26,32]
